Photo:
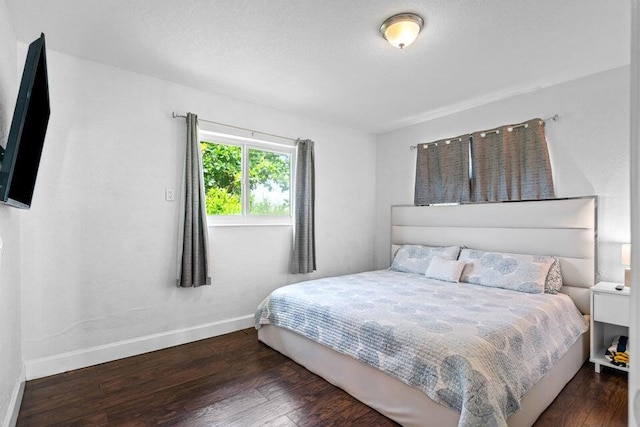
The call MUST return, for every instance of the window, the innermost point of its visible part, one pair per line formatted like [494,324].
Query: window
[246,181]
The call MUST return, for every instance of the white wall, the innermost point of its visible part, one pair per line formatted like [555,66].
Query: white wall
[589,148]
[99,244]
[11,371]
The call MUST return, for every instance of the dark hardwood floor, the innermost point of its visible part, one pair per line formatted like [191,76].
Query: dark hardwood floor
[233,380]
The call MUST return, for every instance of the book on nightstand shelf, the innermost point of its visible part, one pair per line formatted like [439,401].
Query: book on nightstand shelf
[618,353]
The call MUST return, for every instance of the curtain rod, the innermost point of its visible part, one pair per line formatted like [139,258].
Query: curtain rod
[180,116]
[553,118]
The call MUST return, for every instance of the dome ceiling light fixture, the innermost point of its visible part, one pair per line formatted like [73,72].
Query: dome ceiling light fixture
[401,30]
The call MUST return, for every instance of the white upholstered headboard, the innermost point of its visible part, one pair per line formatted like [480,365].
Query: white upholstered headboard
[566,228]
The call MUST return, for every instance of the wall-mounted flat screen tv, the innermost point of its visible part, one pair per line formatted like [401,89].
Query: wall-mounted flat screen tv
[21,156]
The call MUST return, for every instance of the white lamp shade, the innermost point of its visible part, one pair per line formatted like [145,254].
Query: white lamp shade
[626,254]
[402,30]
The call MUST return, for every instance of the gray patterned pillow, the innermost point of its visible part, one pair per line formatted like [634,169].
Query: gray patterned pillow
[518,272]
[554,279]
[416,258]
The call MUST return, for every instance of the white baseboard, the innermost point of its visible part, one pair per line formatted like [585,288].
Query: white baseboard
[16,400]
[51,365]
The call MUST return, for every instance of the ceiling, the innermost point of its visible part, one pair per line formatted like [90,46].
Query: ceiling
[325,59]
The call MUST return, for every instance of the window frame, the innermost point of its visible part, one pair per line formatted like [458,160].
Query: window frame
[246,144]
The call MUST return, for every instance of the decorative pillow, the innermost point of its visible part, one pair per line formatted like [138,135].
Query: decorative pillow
[445,269]
[518,272]
[554,279]
[416,258]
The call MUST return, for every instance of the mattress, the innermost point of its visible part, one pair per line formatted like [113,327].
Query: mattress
[473,349]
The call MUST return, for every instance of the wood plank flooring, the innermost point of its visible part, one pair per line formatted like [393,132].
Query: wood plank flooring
[233,380]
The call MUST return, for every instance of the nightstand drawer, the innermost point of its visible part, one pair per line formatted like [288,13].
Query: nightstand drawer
[611,309]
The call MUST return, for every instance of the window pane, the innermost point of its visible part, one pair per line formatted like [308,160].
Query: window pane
[269,175]
[222,167]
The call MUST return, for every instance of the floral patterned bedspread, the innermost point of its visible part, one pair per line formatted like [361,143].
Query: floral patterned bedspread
[475,349]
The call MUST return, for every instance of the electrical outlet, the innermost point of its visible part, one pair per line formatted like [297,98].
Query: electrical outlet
[169,194]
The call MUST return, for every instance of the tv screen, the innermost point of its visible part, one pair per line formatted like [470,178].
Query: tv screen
[26,136]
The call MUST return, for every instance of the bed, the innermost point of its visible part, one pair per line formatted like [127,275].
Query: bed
[463,391]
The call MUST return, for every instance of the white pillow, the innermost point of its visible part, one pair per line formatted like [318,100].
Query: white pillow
[445,269]
[416,258]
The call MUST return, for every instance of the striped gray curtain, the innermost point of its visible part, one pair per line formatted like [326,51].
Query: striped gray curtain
[512,163]
[193,268]
[442,172]
[303,259]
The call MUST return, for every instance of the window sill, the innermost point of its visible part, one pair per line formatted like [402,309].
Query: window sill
[251,224]
[252,221]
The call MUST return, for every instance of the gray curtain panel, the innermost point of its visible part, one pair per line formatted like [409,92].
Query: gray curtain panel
[512,164]
[303,259]
[442,172]
[193,269]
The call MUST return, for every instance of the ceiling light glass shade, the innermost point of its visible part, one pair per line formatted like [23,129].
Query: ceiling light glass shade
[402,30]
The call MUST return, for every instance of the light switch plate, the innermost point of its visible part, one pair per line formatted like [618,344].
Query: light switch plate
[169,194]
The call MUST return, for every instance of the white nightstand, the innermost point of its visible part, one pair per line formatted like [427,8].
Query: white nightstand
[609,317]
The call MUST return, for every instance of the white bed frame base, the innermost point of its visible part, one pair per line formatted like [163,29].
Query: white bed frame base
[402,403]
[565,228]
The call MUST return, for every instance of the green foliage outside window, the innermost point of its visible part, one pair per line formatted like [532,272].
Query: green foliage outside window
[222,168]
[269,176]
[220,202]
